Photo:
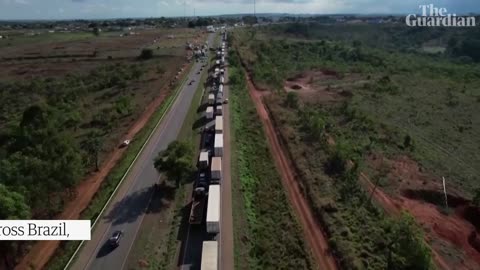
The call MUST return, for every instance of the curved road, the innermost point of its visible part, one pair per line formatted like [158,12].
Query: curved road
[127,208]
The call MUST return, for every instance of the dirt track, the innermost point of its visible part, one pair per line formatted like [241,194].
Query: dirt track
[313,232]
[42,251]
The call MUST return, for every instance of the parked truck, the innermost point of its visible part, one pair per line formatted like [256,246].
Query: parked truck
[213,209]
[219,124]
[211,99]
[203,160]
[198,205]
[209,112]
[209,255]
[216,170]
[218,145]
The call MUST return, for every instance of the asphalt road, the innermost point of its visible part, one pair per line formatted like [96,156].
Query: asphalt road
[191,248]
[127,209]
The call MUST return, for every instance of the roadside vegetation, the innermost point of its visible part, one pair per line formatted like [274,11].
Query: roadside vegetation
[339,101]
[272,238]
[59,128]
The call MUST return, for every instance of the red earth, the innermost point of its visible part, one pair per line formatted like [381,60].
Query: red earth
[313,232]
[422,196]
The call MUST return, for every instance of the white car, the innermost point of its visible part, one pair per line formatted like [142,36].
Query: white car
[125,143]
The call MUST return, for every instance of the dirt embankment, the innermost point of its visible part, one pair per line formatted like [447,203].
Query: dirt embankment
[313,233]
[422,196]
[42,251]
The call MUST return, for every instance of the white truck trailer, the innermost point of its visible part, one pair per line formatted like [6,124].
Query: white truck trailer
[209,255]
[219,124]
[209,112]
[216,170]
[213,209]
[219,110]
[220,87]
[218,145]
[203,160]
[211,99]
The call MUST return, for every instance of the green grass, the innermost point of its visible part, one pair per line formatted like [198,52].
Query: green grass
[112,180]
[272,238]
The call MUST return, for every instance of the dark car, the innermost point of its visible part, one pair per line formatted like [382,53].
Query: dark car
[115,238]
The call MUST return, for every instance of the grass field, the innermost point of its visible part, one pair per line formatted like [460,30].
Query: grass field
[263,207]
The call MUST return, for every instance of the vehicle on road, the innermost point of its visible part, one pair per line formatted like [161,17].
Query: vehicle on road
[125,143]
[198,205]
[191,82]
[225,101]
[213,209]
[114,240]
[209,255]
[198,72]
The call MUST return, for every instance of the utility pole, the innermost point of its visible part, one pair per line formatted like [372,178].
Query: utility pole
[445,192]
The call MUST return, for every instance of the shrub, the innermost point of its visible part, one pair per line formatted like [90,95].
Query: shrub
[146,54]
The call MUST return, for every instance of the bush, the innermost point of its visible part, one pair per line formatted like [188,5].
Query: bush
[146,54]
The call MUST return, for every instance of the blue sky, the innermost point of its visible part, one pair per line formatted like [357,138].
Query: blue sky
[94,9]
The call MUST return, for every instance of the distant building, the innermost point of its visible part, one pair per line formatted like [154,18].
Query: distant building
[210,29]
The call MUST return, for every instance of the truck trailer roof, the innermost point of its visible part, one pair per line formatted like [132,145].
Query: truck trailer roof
[218,140]
[209,255]
[213,208]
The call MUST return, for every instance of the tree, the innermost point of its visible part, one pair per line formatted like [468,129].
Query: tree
[175,161]
[93,145]
[146,54]
[96,31]
[12,205]
[407,248]
[292,100]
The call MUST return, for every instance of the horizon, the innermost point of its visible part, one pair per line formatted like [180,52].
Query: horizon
[58,10]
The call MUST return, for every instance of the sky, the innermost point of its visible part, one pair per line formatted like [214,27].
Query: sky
[102,9]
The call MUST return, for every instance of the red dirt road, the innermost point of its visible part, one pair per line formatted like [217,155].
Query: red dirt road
[313,233]
[42,251]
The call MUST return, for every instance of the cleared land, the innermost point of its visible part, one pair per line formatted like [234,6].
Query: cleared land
[353,115]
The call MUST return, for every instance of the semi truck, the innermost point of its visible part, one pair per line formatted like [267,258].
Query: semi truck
[203,160]
[213,209]
[219,124]
[216,170]
[218,145]
[209,255]
[198,205]
[209,112]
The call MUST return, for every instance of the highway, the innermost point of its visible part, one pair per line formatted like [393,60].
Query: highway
[127,209]
[191,248]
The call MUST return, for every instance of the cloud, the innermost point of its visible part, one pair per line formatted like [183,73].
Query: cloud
[21,2]
[163,3]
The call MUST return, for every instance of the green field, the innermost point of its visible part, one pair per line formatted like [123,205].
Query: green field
[262,212]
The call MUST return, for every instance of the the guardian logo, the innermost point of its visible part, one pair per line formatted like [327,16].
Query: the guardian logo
[434,17]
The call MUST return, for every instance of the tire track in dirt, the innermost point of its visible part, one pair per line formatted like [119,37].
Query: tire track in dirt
[313,233]
[42,251]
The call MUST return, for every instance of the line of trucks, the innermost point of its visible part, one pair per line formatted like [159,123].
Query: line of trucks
[207,185]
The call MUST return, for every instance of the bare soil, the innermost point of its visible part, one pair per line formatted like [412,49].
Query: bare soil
[321,86]
[422,195]
[313,232]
